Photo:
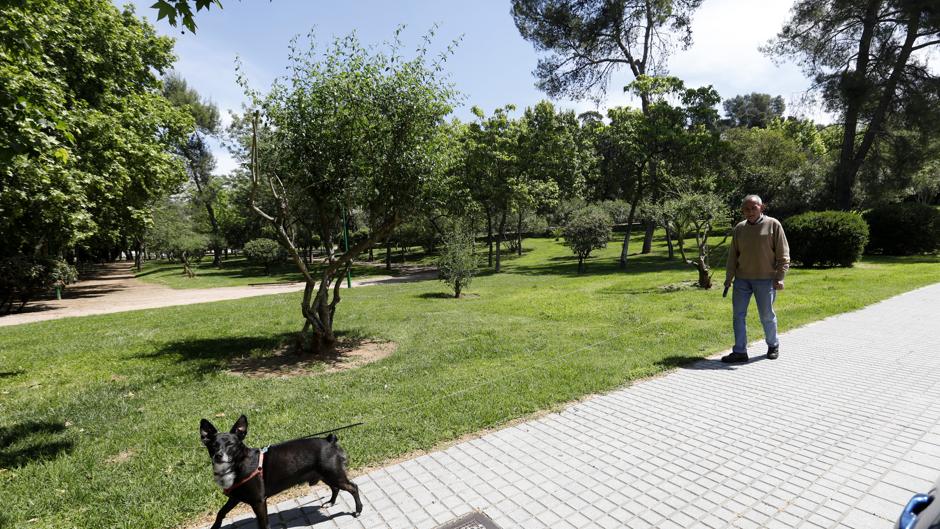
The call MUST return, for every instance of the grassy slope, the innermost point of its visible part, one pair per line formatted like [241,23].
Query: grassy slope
[76,393]
[234,272]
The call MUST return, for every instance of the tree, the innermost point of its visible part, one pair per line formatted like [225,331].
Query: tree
[867,61]
[753,110]
[175,234]
[86,138]
[587,41]
[200,163]
[492,171]
[457,263]
[352,129]
[696,214]
[588,230]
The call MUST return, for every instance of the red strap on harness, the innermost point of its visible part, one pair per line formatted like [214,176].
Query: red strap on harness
[257,472]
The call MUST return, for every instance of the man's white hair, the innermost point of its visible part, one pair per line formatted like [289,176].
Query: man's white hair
[752,198]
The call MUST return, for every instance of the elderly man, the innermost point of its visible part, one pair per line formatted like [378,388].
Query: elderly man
[757,262]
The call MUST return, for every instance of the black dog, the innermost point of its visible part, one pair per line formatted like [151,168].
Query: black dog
[251,475]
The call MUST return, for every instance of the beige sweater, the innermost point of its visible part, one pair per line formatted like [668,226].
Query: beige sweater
[758,251]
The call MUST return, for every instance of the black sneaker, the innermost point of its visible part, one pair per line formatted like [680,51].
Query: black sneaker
[773,352]
[734,358]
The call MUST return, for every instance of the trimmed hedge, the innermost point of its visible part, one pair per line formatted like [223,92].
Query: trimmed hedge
[265,252]
[826,238]
[903,229]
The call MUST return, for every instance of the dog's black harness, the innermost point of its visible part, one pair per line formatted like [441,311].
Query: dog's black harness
[258,472]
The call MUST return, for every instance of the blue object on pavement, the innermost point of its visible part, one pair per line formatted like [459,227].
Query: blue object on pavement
[909,517]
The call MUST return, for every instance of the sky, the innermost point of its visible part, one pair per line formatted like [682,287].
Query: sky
[492,64]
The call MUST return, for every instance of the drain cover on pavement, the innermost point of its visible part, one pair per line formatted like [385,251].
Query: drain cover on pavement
[474,520]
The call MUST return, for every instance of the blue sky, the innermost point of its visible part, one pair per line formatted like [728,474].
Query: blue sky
[492,64]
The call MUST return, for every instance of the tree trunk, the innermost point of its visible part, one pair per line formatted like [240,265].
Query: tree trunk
[704,273]
[519,233]
[388,253]
[499,239]
[648,237]
[630,218]
[489,236]
[580,264]
[671,254]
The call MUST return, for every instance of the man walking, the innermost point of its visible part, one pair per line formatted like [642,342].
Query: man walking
[757,262]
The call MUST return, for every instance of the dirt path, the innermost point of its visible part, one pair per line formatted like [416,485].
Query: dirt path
[113,288]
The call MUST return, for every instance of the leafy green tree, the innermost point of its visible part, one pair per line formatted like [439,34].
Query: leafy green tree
[86,138]
[200,163]
[492,172]
[351,129]
[868,61]
[753,110]
[586,231]
[175,234]
[458,263]
[698,215]
[587,41]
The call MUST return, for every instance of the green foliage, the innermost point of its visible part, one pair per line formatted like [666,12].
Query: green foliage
[826,238]
[85,136]
[753,110]
[587,230]
[175,234]
[697,215]
[23,278]
[903,229]
[458,262]
[265,252]
[171,9]
[585,42]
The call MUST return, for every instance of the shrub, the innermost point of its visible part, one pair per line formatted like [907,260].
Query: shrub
[826,238]
[264,252]
[23,278]
[457,264]
[587,230]
[903,229]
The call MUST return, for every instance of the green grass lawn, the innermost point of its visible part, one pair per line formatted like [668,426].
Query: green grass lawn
[236,271]
[99,415]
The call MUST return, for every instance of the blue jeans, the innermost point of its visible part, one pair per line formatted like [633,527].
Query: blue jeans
[764,294]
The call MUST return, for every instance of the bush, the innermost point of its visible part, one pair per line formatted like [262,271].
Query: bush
[23,278]
[587,230]
[264,252]
[903,229]
[457,264]
[826,238]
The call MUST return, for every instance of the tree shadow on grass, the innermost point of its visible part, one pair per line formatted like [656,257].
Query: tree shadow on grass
[210,355]
[568,266]
[31,441]
[9,374]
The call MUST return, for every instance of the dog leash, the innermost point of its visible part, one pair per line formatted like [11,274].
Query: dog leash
[333,430]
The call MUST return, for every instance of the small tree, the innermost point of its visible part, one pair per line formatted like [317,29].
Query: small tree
[458,263]
[696,214]
[265,252]
[586,231]
[174,233]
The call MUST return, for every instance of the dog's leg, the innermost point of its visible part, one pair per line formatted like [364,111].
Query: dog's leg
[335,492]
[229,505]
[261,513]
[351,488]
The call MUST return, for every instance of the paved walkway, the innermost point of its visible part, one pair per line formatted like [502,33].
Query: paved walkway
[839,432]
[115,289]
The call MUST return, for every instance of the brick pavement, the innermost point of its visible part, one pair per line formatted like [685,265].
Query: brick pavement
[839,432]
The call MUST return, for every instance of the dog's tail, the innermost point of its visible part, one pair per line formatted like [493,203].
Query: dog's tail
[332,438]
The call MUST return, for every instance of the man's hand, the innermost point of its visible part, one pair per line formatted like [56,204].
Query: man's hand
[778,285]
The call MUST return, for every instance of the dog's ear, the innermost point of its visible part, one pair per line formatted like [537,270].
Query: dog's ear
[207,431]
[240,428]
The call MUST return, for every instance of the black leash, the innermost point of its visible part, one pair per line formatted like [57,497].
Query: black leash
[333,430]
